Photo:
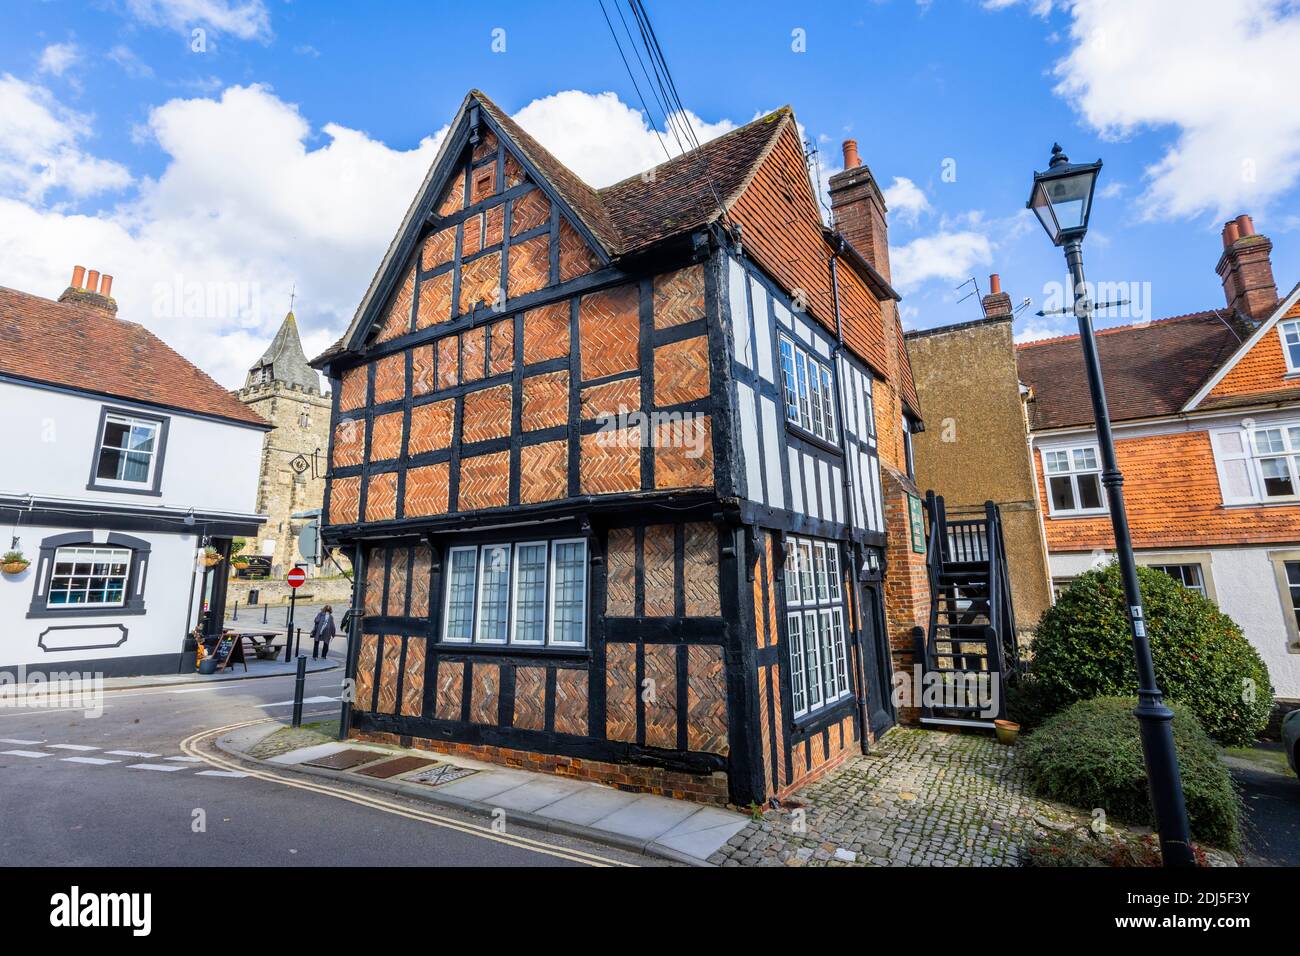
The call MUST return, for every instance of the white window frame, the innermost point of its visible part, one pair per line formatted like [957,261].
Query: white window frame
[550,588]
[446,597]
[54,575]
[514,591]
[1289,334]
[480,582]
[131,422]
[815,631]
[1199,587]
[812,383]
[1073,472]
[1248,450]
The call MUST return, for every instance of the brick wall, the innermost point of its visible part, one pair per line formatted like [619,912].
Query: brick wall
[907,584]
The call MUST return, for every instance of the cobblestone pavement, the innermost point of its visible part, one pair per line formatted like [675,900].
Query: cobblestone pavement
[921,798]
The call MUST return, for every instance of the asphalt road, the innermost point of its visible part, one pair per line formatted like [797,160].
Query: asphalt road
[1272,821]
[66,809]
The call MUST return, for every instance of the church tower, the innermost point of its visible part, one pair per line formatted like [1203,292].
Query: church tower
[285,390]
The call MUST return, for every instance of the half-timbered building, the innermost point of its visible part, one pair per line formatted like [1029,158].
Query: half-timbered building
[624,472]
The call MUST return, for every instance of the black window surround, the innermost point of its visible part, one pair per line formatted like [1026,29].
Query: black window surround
[154,487]
[135,579]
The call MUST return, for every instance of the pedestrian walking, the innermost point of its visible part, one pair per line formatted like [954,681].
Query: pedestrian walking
[322,630]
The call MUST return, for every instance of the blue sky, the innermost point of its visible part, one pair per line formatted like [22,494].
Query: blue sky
[285,150]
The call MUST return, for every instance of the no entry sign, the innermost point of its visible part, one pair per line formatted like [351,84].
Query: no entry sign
[297,577]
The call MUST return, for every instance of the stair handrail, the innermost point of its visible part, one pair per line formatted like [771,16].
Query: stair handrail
[995,595]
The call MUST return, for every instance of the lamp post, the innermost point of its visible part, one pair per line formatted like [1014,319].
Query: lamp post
[1062,200]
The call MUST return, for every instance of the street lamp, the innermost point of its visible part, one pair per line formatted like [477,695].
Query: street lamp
[1062,200]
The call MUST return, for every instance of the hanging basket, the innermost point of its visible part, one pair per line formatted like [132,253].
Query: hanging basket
[15,567]
[211,560]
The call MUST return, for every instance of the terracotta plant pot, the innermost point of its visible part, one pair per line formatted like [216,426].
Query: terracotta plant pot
[15,567]
[211,560]
[1007,731]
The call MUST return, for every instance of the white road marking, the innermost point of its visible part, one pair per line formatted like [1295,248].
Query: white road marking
[26,753]
[306,700]
[130,753]
[71,747]
[185,759]
[21,743]
[153,766]
[95,761]
[220,773]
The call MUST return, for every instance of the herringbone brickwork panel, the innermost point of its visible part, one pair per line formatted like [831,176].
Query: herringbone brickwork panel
[439,248]
[365,685]
[448,362]
[381,497]
[775,565]
[386,700]
[620,583]
[546,333]
[706,699]
[576,257]
[486,146]
[399,575]
[345,496]
[660,570]
[486,681]
[421,569]
[530,698]
[450,691]
[610,462]
[494,226]
[608,330]
[453,197]
[349,443]
[620,692]
[514,171]
[684,453]
[471,236]
[435,301]
[543,472]
[413,677]
[376,573]
[390,378]
[422,382]
[483,182]
[682,371]
[613,398]
[530,265]
[352,387]
[679,297]
[571,701]
[501,347]
[431,426]
[545,401]
[484,481]
[486,414]
[774,672]
[480,281]
[473,355]
[661,691]
[386,436]
[700,570]
[764,732]
[397,317]
[529,211]
[426,490]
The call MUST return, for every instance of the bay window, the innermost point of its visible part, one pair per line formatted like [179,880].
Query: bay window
[809,391]
[815,634]
[1073,480]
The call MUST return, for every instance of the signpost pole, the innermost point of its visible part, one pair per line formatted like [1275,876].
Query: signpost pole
[295,578]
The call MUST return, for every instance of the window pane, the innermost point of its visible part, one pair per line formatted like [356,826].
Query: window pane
[823,585]
[792,572]
[1085,458]
[1236,479]
[871,414]
[833,569]
[1062,494]
[787,377]
[136,467]
[110,464]
[494,590]
[530,594]
[806,572]
[828,404]
[142,437]
[828,657]
[813,651]
[815,390]
[1058,461]
[841,652]
[801,366]
[1269,440]
[1277,477]
[460,594]
[89,576]
[569,593]
[116,432]
[1291,338]
[1293,585]
[1089,491]
[794,634]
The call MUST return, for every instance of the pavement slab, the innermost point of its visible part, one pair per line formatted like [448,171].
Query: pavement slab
[647,817]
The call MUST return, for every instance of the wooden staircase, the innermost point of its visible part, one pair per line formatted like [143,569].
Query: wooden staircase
[971,641]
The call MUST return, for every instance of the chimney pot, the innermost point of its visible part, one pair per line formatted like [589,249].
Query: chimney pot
[106,286]
[995,284]
[1245,226]
[78,276]
[92,280]
[851,158]
[1246,270]
[1230,233]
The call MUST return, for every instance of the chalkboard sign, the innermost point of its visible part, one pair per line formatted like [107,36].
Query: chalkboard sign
[230,650]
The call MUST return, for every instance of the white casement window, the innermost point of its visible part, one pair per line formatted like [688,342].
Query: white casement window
[1290,333]
[809,391]
[819,669]
[128,452]
[522,593]
[1073,480]
[1258,465]
[869,406]
[89,577]
[1188,575]
[1292,571]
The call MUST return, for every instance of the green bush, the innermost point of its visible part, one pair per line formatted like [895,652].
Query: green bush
[1089,755]
[1082,649]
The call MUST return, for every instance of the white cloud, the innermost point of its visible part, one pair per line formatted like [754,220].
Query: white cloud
[40,147]
[57,57]
[905,200]
[949,254]
[1219,75]
[1043,327]
[244,19]
[131,64]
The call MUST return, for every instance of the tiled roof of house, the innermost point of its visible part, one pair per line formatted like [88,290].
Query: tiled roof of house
[1149,370]
[83,348]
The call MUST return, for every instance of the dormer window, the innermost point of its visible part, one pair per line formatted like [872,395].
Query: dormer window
[1290,332]
[128,452]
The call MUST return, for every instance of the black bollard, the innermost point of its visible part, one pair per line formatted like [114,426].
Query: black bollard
[299,683]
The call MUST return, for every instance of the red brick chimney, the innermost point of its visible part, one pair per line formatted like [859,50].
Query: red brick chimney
[858,209]
[93,294]
[1247,271]
[997,304]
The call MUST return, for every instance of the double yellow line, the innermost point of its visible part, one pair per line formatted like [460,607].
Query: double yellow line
[190,745]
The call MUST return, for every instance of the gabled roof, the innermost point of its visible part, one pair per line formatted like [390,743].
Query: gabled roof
[1149,370]
[80,347]
[287,361]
